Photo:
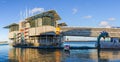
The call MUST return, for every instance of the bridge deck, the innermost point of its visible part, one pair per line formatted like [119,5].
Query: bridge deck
[91,32]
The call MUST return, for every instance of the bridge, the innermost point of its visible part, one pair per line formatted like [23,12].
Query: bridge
[89,31]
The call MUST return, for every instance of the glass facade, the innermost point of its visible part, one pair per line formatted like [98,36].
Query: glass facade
[42,21]
[14,28]
[48,21]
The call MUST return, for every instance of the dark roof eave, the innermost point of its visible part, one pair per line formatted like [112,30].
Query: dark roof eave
[6,27]
[13,24]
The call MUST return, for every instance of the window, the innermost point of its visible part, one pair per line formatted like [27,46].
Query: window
[32,23]
[48,21]
[14,28]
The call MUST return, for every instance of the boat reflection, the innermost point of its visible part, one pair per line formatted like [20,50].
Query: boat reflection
[67,53]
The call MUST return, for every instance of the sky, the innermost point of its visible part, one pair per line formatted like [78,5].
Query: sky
[84,13]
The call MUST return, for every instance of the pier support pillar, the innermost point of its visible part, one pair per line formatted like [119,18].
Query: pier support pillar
[36,43]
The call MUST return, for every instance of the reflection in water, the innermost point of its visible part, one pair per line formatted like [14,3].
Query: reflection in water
[45,55]
[80,56]
[34,55]
[52,55]
[109,55]
[66,53]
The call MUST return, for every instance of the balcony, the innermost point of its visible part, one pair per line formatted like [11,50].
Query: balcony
[11,34]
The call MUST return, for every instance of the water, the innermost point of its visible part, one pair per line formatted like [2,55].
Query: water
[80,44]
[10,54]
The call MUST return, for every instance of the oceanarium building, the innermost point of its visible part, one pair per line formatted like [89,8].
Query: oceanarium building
[41,29]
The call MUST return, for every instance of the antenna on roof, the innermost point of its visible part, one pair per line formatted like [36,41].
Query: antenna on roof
[30,13]
[26,13]
[20,15]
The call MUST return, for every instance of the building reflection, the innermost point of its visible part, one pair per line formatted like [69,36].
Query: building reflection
[109,55]
[79,56]
[34,55]
[52,55]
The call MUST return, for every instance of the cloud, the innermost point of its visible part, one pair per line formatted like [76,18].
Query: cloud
[104,24]
[108,26]
[87,17]
[111,19]
[37,10]
[74,10]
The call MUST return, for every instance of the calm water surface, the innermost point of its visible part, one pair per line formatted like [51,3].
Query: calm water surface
[10,54]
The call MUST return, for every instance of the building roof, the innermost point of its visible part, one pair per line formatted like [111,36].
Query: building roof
[13,24]
[51,13]
[62,24]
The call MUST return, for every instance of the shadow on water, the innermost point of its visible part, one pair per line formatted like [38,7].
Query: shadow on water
[13,60]
[100,59]
[67,53]
[45,51]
